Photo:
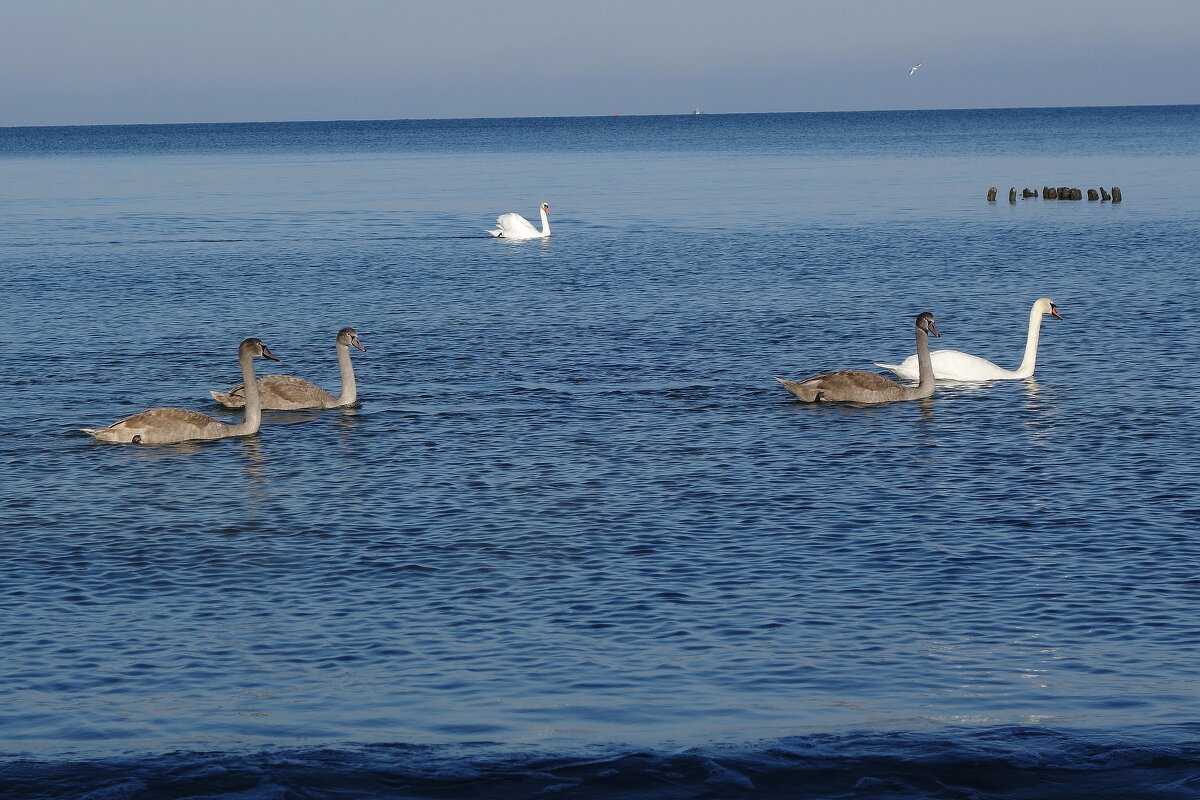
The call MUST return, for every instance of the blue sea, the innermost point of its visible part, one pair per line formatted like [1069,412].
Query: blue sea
[574,540]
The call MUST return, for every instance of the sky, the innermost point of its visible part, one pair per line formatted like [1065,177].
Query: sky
[80,62]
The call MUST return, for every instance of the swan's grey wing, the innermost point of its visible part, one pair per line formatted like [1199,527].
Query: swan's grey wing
[175,421]
[850,378]
[837,385]
[292,390]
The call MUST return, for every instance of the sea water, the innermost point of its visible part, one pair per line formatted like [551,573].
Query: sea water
[574,538]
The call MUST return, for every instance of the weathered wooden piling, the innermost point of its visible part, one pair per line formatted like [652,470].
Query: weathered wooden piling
[1058,193]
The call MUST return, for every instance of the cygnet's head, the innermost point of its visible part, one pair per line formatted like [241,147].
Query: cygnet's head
[349,338]
[925,323]
[257,348]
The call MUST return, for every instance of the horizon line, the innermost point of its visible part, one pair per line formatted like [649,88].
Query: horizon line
[578,116]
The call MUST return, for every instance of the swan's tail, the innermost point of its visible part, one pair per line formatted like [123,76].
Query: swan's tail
[229,399]
[799,390]
[105,434]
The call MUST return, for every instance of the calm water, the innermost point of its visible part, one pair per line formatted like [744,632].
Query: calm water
[575,539]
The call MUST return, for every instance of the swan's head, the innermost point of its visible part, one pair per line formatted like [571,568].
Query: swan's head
[256,348]
[925,323]
[1045,305]
[348,337]
[545,208]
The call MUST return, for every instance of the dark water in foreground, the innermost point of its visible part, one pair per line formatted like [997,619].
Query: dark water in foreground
[574,540]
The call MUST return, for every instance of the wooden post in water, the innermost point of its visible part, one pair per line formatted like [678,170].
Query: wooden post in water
[1104,195]
[1012,195]
[1116,195]
[1063,193]
[992,195]
[1093,194]
[1049,193]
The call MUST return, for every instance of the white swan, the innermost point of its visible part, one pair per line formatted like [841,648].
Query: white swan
[514,226]
[289,393]
[168,425]
[860,386]
[953,365]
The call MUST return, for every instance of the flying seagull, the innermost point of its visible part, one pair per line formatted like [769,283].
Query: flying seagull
[913,69]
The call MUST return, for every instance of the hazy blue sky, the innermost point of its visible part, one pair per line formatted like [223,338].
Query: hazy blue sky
[115,61]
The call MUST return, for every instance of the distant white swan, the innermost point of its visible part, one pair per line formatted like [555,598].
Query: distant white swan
[514,226]
[913,69]
[168,425]
[953,365]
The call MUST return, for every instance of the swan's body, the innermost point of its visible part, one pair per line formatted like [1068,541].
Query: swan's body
[285,392]
[514,226]
[953,365]
[860,386]
[168,425]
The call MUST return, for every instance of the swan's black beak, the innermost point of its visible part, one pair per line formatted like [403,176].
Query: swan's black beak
[358,344]
[933,328]
[268,354]
[1054,311]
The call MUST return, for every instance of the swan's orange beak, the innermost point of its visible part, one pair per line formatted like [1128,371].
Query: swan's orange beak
[1054,311]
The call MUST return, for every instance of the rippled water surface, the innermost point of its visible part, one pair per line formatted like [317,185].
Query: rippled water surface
[574,530]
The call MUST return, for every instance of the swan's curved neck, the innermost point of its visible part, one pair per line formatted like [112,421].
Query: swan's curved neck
[924,365]
[545,223]
[1031,344]
[349,388]
[253,415]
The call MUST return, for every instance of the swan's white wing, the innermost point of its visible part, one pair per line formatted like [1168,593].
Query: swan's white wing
[906,370]
[951,365]
[514,226]
[955,365]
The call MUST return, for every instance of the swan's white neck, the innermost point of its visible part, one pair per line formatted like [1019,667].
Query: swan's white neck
[349,388]
[545,223]
[253,413]
[1031,344]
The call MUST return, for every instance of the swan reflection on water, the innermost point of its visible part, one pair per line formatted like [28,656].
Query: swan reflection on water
[347,418]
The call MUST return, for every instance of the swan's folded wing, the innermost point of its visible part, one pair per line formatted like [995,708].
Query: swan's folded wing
[856,378]
[166,420]
[516,224]
[293,390]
